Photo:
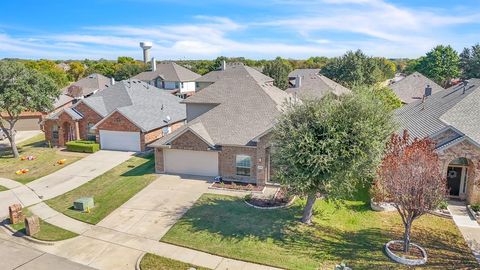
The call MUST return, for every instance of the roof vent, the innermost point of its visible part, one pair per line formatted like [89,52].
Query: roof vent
[428,91]
[465,83]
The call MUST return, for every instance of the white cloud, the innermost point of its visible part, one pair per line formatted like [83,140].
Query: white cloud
[316,27]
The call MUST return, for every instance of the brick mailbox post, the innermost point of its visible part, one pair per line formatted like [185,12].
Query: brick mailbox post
[32,225]
[15,212]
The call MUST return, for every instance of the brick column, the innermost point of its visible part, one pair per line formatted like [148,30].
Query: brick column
[77,131]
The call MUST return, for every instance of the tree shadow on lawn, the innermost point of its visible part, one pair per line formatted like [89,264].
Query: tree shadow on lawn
[361,248]
[6,151]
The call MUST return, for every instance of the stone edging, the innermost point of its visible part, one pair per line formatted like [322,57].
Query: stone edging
[382,206]
[440,214]
[473,214]
[26,237]
[235,190]
[402,260]
[271,207]
[139,260]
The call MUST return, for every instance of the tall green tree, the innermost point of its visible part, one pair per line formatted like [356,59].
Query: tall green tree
[104,67]
[356,68]
[441,64]
[278,69]
[470,62]
[330,146]
[389,99]
[22,89]
[76,71]
[128,70]
[49,68]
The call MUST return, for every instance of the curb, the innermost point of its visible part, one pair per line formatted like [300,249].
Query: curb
[26,237]
[139,260]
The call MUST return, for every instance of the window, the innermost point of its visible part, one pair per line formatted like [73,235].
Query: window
[243,164]
[91,132]
[177,85]
[55,132]
[165,130]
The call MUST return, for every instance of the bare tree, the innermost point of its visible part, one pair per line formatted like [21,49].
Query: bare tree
[411,176]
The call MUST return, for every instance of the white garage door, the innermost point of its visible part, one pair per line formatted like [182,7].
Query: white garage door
[191,162]
[120,140]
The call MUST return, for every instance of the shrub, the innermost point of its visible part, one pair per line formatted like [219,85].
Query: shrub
[83,146]
[443,205]
[475,207]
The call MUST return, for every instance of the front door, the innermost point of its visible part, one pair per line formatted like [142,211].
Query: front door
[454,178]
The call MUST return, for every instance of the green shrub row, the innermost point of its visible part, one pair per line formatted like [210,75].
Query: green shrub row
[83,146]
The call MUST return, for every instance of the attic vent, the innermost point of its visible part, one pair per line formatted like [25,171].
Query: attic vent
[428,91]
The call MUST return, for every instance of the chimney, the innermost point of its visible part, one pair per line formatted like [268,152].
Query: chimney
[428,91]
[154,64]
[224,65]
[112,81]
[298,81]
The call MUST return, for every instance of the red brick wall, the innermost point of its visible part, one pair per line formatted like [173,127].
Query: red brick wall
[189,141]
[89,116]
[227,162]
[117,122]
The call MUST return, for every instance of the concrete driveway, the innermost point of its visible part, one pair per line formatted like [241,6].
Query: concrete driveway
[20,137]
[155,209]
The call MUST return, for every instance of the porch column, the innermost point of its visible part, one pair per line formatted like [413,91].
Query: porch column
[77,131]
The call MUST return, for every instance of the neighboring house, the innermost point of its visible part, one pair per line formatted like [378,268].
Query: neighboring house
[68,96]
[170,76]
[125,116]
[413,87]
[216,75]
[227,130]
[451,118]
[308,83]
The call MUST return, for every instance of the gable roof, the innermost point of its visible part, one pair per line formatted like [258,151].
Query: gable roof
[457,107]
[242,109]
[168,71]
[87,85]
[412,87]
[216,75]
[314,85]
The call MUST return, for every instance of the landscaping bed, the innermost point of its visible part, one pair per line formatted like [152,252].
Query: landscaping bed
[349,231]
[154,262]
[239,186]
[48,232]
[44,162]
[416,255]
[109,190]
[281,198]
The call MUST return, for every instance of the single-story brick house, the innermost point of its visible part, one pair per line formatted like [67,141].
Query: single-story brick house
[309,83]
[227,130]
[451,117]
[125,116]
[171,77]
[412,88]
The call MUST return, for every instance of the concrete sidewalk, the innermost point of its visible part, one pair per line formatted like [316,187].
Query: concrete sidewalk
[468,226]
[135,228]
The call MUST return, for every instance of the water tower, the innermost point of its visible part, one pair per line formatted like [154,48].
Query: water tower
[146,46]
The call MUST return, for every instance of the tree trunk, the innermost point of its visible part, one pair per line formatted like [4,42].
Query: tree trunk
[406,237]
[308,211]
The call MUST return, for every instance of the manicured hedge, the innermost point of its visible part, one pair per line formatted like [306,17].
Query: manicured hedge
[83,146]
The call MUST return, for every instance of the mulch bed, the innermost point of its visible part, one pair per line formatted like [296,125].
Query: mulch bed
[237,186]
[281,198]
[413,253]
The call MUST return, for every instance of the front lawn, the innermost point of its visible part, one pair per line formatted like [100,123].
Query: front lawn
[154,262]
[351,232]
[48,232]
[44,164]
[109,190]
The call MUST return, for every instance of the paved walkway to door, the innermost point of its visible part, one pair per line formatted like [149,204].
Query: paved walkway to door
[467,225]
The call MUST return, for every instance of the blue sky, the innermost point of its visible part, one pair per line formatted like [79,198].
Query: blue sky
[205,29]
